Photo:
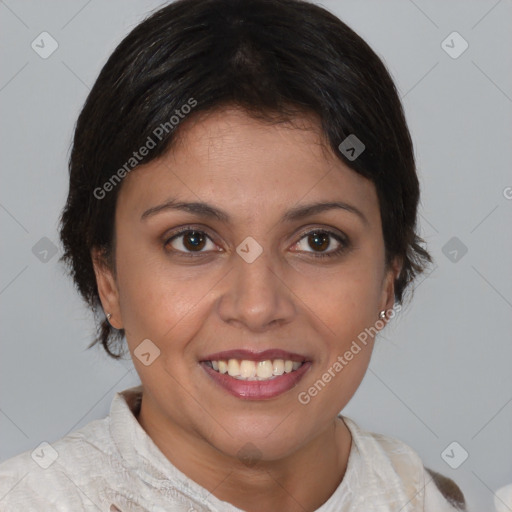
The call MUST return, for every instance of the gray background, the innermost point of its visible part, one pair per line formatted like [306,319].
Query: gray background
[440,373]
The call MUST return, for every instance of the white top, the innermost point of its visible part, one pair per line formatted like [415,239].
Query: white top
[112,461]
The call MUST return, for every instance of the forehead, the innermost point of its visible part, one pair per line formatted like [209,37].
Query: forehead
[232,134]
[228,157]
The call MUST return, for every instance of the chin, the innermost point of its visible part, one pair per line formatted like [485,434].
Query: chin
[262,437]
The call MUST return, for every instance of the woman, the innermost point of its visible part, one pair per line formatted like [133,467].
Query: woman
[242,207]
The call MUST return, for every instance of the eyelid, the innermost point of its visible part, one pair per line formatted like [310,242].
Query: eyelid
[330,230]
[171,233]
[177,232]
[344,243]
[338,235]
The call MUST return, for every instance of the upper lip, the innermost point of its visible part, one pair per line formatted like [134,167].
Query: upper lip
[255,355]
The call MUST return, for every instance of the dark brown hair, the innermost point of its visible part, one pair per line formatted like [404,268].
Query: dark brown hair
[273,58]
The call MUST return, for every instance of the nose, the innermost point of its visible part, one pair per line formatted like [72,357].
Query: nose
[257,296]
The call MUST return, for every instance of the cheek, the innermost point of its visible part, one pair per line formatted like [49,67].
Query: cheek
[344,310]
[331,387]
[345,301]
[159,300]
[344,307]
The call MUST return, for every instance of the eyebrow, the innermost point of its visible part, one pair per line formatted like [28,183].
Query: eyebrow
[208,211]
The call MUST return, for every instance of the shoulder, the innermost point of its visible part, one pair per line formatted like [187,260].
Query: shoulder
[35,478]
[397,463]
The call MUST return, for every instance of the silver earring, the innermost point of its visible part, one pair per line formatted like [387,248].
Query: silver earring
[382,315]
[109,316]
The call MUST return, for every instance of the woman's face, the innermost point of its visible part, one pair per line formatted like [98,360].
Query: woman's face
[257,268]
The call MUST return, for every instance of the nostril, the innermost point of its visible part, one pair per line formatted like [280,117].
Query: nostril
[113,508]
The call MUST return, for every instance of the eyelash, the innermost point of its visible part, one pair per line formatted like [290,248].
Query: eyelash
[343,241]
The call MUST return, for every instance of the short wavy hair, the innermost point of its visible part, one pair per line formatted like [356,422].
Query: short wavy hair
[275,59]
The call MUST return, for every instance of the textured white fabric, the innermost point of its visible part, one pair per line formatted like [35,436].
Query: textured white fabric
[113,461]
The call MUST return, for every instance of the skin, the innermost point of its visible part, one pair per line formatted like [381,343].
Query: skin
[287,298]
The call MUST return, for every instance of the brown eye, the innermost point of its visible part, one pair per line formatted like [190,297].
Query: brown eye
[189,241]
[319,241]
[194,240]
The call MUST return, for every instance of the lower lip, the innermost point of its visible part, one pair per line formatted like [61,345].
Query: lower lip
[258,389]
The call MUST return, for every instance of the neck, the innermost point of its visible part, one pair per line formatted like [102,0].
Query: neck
[301,482]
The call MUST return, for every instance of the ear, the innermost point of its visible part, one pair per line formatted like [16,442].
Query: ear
[107,287]
[388,285]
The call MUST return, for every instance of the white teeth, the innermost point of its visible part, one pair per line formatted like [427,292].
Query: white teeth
[250,370]
[247,369]
[264,369]
[278,367]
[233,367]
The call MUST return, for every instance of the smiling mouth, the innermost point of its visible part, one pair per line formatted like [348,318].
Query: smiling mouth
[245,369]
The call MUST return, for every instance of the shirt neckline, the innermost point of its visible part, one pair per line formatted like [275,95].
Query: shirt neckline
[146,460]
